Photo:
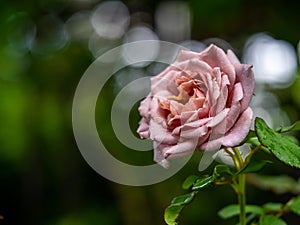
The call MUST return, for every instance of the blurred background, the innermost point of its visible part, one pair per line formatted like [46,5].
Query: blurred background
[46,46]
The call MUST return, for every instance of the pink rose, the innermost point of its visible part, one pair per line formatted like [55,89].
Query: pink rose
[201,102]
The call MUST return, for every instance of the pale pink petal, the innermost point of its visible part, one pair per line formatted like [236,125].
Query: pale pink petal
[189,116]
[232,57]
[240,130]
[213,89]
[191,125]
[159,152]
[246,77]
[160,134]
[192,65]
[218,118]
[235,136]
[230,120]
[143,129]
[194,133]
[175,107]
[144,108]
[237,93]
[157,113]
[211,144]
[166,82]
[182,148]
[216,57]
[222,99]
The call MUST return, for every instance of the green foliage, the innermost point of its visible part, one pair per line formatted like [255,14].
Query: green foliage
[293,127]
[271,220]
[189,181]
[278,184]
[281,146]
[234,210]
[173,210]
[272,206]
[254,166]
[294,205]
[221,174]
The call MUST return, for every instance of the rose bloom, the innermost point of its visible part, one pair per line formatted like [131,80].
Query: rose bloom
[200,102]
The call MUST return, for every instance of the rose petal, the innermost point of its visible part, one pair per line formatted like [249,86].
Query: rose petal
[160,134]
[143,129]
[216,57]
[246,77]
[165,81]
[144,108]
[218,118]
[222,99]
[240,129]
[159,152]
[229,121]
[237,93]
[192,65]
[232,57]
[182,148]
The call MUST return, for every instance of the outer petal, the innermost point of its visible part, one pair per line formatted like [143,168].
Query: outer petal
[159,152]
[232,57]
[165,81]
[144,108]
[143,129]
[246,77]
[160,134]
[182,148]
[192,65]
[216,57]
[240,130]
[234,137]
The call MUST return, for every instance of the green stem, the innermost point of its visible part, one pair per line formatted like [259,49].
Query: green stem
[240,186]
[242,198]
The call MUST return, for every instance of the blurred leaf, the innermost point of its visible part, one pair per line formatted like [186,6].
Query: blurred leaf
[234,210]
[272,206]
[295,205]
[282,147]
[189,181]
[271,220]
[294,127]
[278,184]
[254,166]
[173,210]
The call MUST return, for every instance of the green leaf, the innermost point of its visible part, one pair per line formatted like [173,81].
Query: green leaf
[234,210]
[189,181]
[278,184]
[272,206]
[171,214]
[281,146]
[203,182]
[177,204]
[271,220]
[254,166]
[222,170]
[183,199]
[294,127]
[295,205]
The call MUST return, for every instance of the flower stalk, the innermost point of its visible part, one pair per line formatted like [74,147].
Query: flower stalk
[240,186]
